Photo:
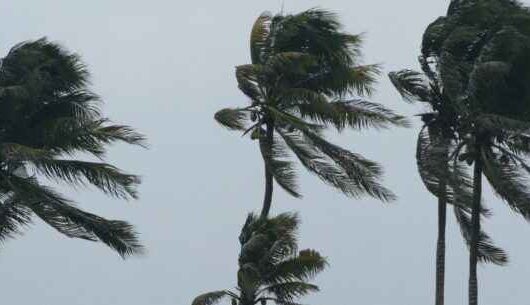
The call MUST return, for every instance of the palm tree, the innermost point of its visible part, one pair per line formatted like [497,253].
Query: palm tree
[304,74]
[270,266]
[481,50]
[49,119]
[446,180]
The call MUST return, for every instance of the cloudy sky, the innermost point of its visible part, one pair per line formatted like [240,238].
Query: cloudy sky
[165,67]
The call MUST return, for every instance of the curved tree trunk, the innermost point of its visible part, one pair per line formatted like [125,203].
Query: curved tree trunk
[475,233]
[269,183]
[440,246]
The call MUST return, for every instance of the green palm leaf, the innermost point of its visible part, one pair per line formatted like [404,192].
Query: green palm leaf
[234,119]
[210,298]
[289,291]
[303,267]
[487,251]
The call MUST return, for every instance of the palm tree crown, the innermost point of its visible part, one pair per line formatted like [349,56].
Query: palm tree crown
[480,52]
[50,117]
[270,266]
[304,77]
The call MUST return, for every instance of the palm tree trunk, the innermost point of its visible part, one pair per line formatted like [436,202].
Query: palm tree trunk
[267,200]
[475,233]
[440,247]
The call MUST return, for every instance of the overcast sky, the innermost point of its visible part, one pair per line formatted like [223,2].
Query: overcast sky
[165,67]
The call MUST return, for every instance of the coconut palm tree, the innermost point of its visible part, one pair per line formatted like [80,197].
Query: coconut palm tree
[481,50]
[50,118]
[305,76]
[443,177]
[270,267]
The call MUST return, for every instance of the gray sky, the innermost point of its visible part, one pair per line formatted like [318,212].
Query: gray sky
[165,67]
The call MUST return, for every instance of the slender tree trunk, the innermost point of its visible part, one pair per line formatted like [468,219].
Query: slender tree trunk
[269,183]
[440,247]
[442,223]
[475,233]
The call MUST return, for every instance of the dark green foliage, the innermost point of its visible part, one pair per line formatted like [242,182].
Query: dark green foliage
[487,43]
[437,152]
[482,49]
[481,53]
[49,116]
[306,76]
[270,266]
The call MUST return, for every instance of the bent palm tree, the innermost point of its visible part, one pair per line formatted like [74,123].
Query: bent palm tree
[444,178]
[49,116]
[303,75]
[270,267]
[481,49]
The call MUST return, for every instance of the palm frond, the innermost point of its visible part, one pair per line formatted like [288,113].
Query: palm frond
[487,251]
[277,301]
[364,175]
[13,218]
[258,38]
[290,64]
[411,85]
[233,118]
[247,79]
[435,168]
[306,265]
[109,134]
[360,114]
[508,182]
[346,171]
[343,80]
[210,298]
[104,176]
[75,223]
[361,79]
[289,291]
[70,135]
[275,154]
[285,119]
[61,215]
[280,250]
[357,114]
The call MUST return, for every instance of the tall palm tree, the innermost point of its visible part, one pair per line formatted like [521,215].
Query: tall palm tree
[270,267]
[49,119]
[481,50]
[303,78]
[446,180]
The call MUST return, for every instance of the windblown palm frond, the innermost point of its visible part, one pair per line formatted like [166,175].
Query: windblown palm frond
[210,298]
[487,251]
[49,117]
